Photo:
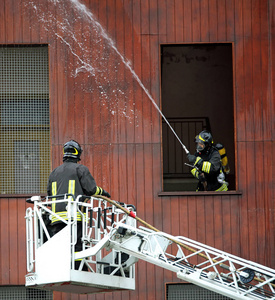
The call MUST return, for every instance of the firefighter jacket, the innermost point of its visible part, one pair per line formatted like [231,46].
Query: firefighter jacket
[69,178]
[209,164]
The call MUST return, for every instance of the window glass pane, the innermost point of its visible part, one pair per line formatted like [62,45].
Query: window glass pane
[24,119]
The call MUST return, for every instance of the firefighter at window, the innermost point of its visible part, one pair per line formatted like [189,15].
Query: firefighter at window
[207,167]
[71,178]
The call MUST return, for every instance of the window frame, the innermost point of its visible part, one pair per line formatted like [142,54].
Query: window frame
[234,191]
[22,94]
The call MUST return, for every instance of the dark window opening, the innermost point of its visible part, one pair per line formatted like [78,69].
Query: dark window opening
[197,94]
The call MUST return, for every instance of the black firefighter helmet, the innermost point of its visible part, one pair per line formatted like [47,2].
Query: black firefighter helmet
[203,141]
[72,149]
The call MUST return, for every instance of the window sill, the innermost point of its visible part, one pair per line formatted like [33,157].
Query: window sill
[188,193]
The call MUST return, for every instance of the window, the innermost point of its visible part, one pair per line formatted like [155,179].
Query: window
[22,293]
[24,119]
[197,94]
[190,292]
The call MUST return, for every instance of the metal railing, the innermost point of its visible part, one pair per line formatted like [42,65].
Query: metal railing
[98,217]
[173,154]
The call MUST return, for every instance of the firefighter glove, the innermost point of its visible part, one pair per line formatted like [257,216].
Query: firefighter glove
[202,177]
[191,158]
[106,194]
[100,191]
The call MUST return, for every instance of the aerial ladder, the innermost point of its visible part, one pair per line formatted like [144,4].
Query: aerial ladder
[112,244]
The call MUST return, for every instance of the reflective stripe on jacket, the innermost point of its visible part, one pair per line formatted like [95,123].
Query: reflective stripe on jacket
[69,178]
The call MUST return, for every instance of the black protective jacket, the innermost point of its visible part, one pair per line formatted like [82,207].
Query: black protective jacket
[69,178]
[210,167]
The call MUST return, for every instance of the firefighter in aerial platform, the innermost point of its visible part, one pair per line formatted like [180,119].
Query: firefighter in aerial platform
[71,178]
[207,164]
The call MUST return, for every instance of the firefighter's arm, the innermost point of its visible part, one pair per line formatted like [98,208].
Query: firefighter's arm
[49,187]
[213,165]
[88,183]
[195,173]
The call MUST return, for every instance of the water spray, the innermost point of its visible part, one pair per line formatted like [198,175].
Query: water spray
[81,7]
[86,66]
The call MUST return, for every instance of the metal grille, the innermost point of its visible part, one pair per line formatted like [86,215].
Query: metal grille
[24,119]
[22,293]
[191,292]
[173,154]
